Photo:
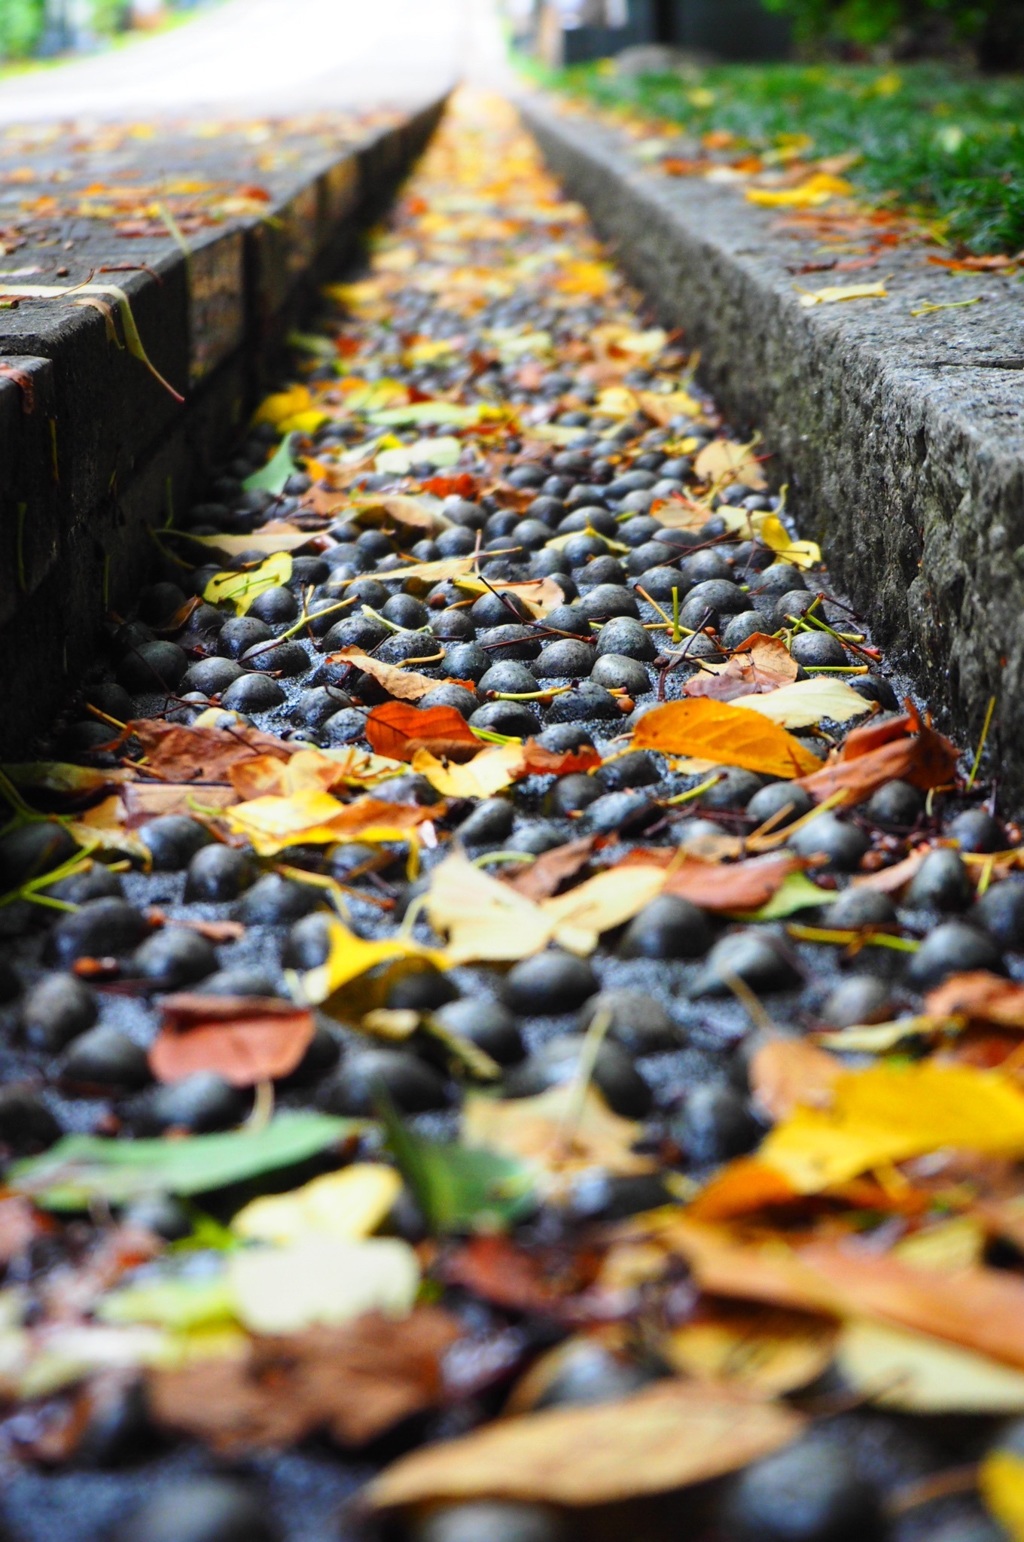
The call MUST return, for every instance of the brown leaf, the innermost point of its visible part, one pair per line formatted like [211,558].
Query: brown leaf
[719,886]
[727,736]
[398,730]
[785,1073]
[548,1281]
[142,801]
[404,684]
[761,665]
[538,761]
[177,753]
[906,748]
[542,878]
[667,1436]
[979,996]
[352,1382]
[245,1039]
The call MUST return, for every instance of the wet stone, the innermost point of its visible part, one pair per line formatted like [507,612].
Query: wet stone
[56,1010]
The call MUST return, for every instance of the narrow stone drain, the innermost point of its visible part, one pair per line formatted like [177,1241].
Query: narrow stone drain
[507,740]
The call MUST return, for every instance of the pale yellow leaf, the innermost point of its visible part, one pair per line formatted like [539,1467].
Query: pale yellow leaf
[321,1280]
[487,773]
[835,294]
[897,1368]
[348,1205]
[805,702]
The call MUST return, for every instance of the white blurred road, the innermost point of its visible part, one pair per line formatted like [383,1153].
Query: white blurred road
[273,56]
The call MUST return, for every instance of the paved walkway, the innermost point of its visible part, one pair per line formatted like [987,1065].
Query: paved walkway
[273,56]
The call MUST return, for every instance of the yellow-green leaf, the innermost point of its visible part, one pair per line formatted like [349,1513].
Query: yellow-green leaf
[242,588]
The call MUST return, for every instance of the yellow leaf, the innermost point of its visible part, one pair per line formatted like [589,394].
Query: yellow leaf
[771,530]
[834,294]
[617,402]
[724,461]
[819,189]
[1001,1481]
[351,956]
[349,1205]
[887,1114]
[483,918]
[306,422]
[580,277]
[241,588]
[770,1351]
[282,405]
[804,702]
[897,1368]
[481,777]
[600,903]
[663,407]
[667,1436]
[724,734]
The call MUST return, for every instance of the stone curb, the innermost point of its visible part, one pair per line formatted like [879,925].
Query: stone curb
[94,453]
[902,438]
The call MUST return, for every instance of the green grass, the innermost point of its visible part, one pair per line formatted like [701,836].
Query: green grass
[944,144]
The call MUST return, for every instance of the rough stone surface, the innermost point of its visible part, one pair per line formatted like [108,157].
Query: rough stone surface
[901,437]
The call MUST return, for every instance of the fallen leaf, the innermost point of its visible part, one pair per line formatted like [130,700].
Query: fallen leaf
[401,731]
[806,702]
[769,1353]
[246,1040]
[83,1169]
[315,818]
[353,1382]
[786,1074]
[888,1113]
[669,1435]
[762,664]
[818,189]
[179,753]
[490,770]
[724,887]
[835,294]
[404,684]
[897,1368]
[725,734]
[980,997]
[321,1280]
[772,533]
[243,586]
[723,461]
[276,535]
[904,748]
[544,877]
[350,956]
[558,1131]
[461,1188]
[483,918]
[1001,1482]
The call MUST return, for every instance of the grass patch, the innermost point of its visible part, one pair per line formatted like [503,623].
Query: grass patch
[947,145]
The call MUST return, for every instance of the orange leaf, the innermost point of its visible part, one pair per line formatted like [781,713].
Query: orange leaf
[906,748]
[539,761]
[399,730]
[726,735]
[788,1073]
[177,753]
[979,996]
[405,684]
[718,885]
[244,1039]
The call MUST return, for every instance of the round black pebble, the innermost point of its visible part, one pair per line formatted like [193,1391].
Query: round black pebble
[413,1086]
[173,840]
[829,836]
[201,1510]
[667,927]
[586,702]
[753,956]
[152,668]
[218,873]
[105,1057]
[818,650]
[252,693]
[172,958]
[860,998]
[780,802]
[56,1010]
[1001,912]
[506,717]
[557,1062]
[942,882]
[808,1492]
[974,830]
[636,1020]
[733,789]
[952,948]
[615,670]
[862,907]
[626,636]
[488,1025]
[716,1124]
[895,806]
[26,1124]
[419,989]
[564,659]
[198,1103]
[549,982]
[211,676]
[273,898]
[488,824]
[103,928]
[29,851]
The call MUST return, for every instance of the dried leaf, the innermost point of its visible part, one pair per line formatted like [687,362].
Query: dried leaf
[726,735]
[544,877]
[806,702]
[896,1368]
[762,664]
[835,294]
[486,773]
[768,1352]
[979,997]
[724,461]
[348,1205]
[557,1131]
[819,188]
[404,684]
[351,956]
[905,748]
[667,1436]
[315,818]
[177,753]
[723,887]
[787,1074]
[1001,1481]
[353,1382]
[246,1040]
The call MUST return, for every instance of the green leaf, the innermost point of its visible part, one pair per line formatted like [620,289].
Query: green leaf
[460,1188]
[272,477]
[796,892]
[241,588]
[81,1169]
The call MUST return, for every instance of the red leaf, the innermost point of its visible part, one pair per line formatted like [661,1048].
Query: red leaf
[536,759]
[245,1039]
[398,730]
